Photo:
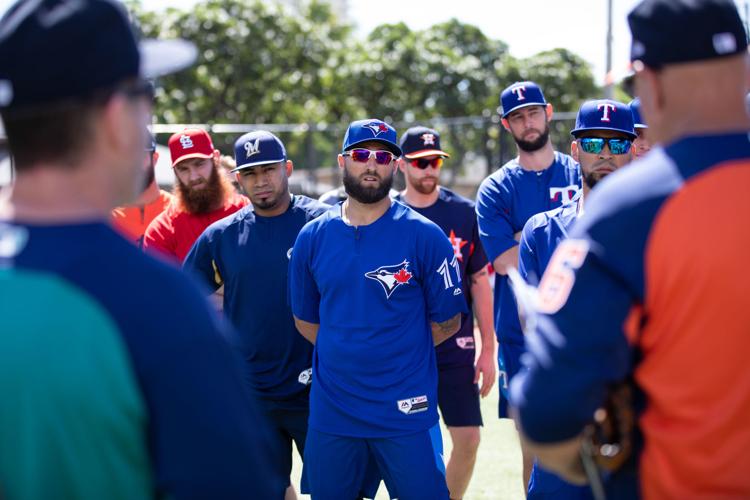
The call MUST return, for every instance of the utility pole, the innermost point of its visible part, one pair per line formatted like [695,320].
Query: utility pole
[608,83]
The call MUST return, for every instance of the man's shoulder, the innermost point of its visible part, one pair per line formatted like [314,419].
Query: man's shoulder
[565,161]
[313,208]
[539,223]
[403,214]
[455,199]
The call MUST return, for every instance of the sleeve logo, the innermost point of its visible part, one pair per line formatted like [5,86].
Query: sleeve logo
[413,405]
[558,279]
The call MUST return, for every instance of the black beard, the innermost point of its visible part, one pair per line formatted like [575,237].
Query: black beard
[366,195]
[591,179]
[535,145]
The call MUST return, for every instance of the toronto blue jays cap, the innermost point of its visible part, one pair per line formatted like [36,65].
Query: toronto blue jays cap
[371,130]
[54,50]
[604,114]
[519,95]
[258,148]
[635,108]
[680,31]
[418,142]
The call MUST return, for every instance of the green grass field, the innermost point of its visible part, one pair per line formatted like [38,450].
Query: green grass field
[497,475]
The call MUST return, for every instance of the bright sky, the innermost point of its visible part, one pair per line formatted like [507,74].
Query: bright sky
[527,26]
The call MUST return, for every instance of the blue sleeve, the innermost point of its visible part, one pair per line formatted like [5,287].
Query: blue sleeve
[477,258]
[493,216]
[528,266]
[201,262]
[442,275]
[304,293]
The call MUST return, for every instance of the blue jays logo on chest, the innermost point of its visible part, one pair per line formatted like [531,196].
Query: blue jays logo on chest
[391,277]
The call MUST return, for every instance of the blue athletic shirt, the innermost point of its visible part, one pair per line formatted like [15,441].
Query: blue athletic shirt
[374,291]
[505,201]
[249,254]
[456,217]
[200,428]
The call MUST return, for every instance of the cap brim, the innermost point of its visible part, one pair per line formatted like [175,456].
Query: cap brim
[393,148]
[577,131]
[162,57]
[255,164]
[505,114]
[426,152]
[640,125]
[191,155]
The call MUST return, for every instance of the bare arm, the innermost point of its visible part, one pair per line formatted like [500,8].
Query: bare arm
[442,331]
[481,294]
[508,258]
[308,330]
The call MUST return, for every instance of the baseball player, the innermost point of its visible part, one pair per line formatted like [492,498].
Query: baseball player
[374,285]
[600,147]
[641,145]
[132,220]
[539,179]
[117,380]
[203,195]
[248,253]
[633,295]
[458,393]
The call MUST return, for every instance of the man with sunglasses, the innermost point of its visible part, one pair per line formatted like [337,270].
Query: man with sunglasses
[642,144]
[650,288]
[117,380]
[374,285]
[604,136]
[458,393]
[539,179]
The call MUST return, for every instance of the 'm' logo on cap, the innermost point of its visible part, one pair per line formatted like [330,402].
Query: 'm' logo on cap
[186,141]
[377,128]
[519,92]
[428,139]
[607,107]
[252,148]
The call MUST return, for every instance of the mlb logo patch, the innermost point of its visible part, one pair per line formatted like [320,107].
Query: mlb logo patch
[465,342]
[305,377]
[413,405]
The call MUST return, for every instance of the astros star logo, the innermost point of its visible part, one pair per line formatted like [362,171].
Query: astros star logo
[457,244]
[391,277]
[377,128]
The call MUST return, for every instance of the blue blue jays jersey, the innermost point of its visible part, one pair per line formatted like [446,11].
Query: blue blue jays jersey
[374,291]
[456,217]
[540,237]
[505,201]
[249,254]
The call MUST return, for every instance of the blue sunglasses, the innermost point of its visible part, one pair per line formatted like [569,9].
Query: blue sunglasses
[594,145]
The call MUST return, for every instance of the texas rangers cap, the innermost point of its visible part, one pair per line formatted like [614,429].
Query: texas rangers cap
[371,130]
[604,114]
[258,148]
[680,31]
[54,50]
[519,95]
[635,108]
[418,142]
[190,143]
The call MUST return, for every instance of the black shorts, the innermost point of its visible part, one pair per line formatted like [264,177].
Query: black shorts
[458,396]
[287,425]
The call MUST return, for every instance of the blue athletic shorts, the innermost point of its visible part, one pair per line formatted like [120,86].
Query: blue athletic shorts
[545,485]
[509,362]
[458,396]
[340,467]
[288,424]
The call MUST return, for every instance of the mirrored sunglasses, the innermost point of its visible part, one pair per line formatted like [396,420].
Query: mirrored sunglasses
[363,155]
[423,163]
[595,145]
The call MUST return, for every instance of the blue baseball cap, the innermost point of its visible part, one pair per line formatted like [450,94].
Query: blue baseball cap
[418,142]
[258,148]
[604,114]
[519,95]
[371,130]
[635,107]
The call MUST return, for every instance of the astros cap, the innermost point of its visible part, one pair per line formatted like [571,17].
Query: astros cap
[519,95]
[53,50]
[418,142]
[604,114]
[258,148]
[190,143]
[371,130]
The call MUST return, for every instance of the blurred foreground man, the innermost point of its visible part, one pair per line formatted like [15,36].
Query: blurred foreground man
[636,294]
[103,397]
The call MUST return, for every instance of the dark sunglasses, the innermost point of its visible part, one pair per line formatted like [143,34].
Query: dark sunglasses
[594,145]
[422,163]
[364,155]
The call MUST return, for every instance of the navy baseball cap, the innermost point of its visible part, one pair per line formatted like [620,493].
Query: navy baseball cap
[681,31]
[635,108]
[371,130]
[258,148]
[604,114]
[519,95]
[54,50]
[418,142]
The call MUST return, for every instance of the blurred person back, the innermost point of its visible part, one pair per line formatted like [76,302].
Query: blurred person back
[116,379]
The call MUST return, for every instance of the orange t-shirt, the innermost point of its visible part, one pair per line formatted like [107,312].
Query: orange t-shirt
[132,220]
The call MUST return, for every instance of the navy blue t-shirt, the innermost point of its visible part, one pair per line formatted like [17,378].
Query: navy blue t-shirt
[456,217]
[249,254]
[374,290]
[505,201]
